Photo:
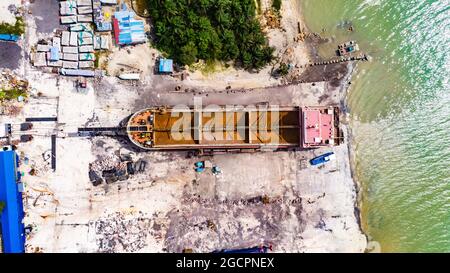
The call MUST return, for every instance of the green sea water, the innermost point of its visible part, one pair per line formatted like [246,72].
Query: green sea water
[400,114]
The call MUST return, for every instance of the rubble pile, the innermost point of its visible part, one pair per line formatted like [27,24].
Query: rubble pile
[11,86]
[118,233]
[272,19]
[107,163]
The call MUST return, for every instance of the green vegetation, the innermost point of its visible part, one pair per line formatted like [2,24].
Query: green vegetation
[97,59]
[258,4]
[276,4]
[223,30]
[283,70]
[9,94]
[18,28]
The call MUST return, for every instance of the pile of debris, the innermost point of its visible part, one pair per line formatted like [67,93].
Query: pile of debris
[112,169]
[11,86]
[302,34]
[119,233]
[272,19]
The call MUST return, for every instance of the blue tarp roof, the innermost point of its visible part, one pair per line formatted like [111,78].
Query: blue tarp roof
[165,65]
[13,231]
[9,37]
[130,30]
[54,53]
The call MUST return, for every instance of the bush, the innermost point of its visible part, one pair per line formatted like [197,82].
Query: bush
[18,28]
[10,94]
[224,30]
[276,4]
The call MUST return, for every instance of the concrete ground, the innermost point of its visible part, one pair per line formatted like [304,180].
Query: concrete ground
[10,55]
[46,15]
[271,197]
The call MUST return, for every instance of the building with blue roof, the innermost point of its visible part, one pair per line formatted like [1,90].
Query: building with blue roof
[165,65]
[127,30]
[12,227]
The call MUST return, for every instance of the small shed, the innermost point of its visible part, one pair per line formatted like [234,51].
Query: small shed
[165,65]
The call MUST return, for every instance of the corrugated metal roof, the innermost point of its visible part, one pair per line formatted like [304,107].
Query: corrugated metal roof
[165,65]
[128,30]
[13,231]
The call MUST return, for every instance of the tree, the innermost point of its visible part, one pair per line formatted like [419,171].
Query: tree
[211,30]
[188,54]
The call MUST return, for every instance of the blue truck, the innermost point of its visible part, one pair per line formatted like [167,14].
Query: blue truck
[322,159]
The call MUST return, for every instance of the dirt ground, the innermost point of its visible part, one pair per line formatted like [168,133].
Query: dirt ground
[273,197]
[9,54]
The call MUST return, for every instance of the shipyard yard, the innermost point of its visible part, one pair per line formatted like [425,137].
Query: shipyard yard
[80,194]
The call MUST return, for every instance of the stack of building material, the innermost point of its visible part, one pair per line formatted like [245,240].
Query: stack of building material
[105,42]
[102,42]
[96,4]
[81,27]
[70,49]
[84,10]
[70,57]
[73,39]
[86,49]
[73,49]
[70,64]
[68,19]
[56,42]
[108,2]
[84,3]
[42,48]
[65,38]
[85,41]
[87,56]
[68,11]
[68,7]
[84,18]
[86,64]
[77,72]
[58,63]
[39,59]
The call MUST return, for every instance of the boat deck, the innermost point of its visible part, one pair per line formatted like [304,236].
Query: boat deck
[220,128]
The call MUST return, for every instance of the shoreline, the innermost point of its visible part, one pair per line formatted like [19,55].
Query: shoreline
[312,46]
